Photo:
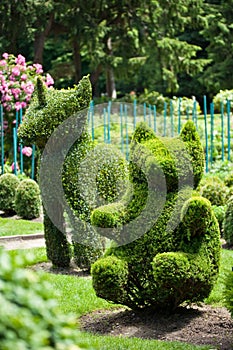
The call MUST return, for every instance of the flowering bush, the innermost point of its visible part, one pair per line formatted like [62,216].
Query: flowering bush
[17,80]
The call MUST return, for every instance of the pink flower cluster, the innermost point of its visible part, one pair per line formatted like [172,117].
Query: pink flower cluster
[17,80]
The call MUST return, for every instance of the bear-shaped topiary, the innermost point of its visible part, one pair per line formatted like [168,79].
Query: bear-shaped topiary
[166,246]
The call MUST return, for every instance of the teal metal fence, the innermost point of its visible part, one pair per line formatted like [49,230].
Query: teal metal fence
[115,122]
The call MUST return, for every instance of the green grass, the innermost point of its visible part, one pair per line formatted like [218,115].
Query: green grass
[12,227]
[226,263]
[29,257]
[120,343]
[76,295]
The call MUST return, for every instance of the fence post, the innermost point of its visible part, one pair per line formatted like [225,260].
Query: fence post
[222,127]
[211,131]
[206,136]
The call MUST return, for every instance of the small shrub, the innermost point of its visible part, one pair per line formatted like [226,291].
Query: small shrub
[219,212]
[228,292]
[222,96]
[214,189]
[30,317]
[8,185]
[228,223]
[27,199]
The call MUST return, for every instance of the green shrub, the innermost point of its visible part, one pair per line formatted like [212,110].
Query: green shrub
[48,109]
[30,316]
[173,240]
[222,96]
[228,292]
[8,185]
[214,189]
[92,177]
[228,223]
[27,199]
[219,212]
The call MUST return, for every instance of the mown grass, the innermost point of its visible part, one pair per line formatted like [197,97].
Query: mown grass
[76,295]
[12,227]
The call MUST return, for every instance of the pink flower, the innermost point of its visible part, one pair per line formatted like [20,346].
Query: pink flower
[27,151]
[13,166]
[16,71]
[38,67]
[17,105]
[49,80]
[5,55]
[3,63]
[24,77]
[20,60]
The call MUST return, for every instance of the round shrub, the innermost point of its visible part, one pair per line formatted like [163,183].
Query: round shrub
[30,317]
[27,199]
[8,185]
[228,292]
[214,189]
[228,223]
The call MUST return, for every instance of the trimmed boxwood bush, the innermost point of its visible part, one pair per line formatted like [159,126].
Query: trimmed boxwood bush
[228,223]
[176,257]
[8,185]
[214,189]
[27,199]
[92,177]
[29,313]
[47,110]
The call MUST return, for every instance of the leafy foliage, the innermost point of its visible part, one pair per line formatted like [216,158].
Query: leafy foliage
[30,317]
[50,107]
[176,257]
[27,199]
[214,189]
[8,185]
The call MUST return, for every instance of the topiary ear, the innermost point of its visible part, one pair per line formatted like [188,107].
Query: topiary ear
[190,136]
[41,92]
[84,91]
[189,132]
[143,133]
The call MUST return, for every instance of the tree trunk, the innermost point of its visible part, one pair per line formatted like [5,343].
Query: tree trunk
[94,80]
[40,38]
[77,60]
[110,79]
[110,83]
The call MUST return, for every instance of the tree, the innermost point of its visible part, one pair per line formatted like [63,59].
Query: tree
[219,34]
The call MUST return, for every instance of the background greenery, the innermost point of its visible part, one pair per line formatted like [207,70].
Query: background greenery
[178,46]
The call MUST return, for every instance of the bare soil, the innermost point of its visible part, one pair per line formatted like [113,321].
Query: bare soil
[195,324]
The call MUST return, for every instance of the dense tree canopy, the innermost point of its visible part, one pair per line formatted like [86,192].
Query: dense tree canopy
[170,46]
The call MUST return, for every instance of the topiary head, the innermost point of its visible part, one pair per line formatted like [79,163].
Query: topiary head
[180,158]
[50,107]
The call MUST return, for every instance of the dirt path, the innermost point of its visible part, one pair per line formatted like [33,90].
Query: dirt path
[22,242]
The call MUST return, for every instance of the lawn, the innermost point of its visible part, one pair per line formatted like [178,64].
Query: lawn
[75,295]
[12,227]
